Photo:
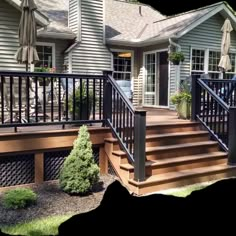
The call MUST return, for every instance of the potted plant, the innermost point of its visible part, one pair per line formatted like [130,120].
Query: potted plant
[182,100]
[44,69]
[83,104]
[176,57]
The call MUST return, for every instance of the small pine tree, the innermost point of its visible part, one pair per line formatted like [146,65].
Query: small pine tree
[79,171]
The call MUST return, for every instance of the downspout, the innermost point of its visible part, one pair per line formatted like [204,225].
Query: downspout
[177,67]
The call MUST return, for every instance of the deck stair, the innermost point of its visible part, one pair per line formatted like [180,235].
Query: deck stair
[177,154]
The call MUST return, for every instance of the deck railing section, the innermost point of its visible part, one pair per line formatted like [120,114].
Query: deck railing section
[128,125]
[28,99]
[213,104]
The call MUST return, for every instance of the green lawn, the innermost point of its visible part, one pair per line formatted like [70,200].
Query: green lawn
[45,226]
[49,225]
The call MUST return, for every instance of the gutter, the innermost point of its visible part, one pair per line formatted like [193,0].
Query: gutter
[175,44]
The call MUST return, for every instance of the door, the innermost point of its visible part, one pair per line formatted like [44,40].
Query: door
[163,79]
[156,79]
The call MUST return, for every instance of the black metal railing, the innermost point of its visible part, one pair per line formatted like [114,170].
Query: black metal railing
[213,104]
[29,99]
[127,124]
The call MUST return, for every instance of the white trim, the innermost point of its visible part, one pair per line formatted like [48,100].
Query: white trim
[144,74]
[55,35]
[132,63]
[205,17]
[206,61]
[53,50]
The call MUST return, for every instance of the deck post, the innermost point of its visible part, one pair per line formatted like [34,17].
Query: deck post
[194,98]
[107,97]
[232,136]
[139,145]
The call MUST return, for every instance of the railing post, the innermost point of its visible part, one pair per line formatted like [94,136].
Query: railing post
[107,97]
[232,136]
[139,144]
[194,98]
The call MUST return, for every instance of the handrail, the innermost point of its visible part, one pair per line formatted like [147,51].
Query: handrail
[44,74]
[128,125]
[213,94]
[121,92]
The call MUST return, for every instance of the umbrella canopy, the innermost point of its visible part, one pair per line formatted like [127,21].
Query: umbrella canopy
[27,52]
[225,64]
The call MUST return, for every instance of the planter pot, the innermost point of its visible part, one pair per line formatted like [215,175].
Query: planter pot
[184,110]
[84,115]
[176,63]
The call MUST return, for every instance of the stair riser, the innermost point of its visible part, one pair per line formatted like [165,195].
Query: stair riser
[171,129]
[185,166]
[176,140]
[210,176]
[185,151]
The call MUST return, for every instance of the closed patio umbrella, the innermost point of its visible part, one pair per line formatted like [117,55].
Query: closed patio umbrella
[225,64]
[27,52]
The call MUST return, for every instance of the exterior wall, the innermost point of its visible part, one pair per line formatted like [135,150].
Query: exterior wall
[90,55]
[207,35]
[73,16]
[137,72]
[9,18]
[60,47]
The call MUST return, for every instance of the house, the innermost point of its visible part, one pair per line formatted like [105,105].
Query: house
[131,39]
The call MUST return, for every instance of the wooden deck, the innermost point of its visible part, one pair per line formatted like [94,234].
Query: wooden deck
[154,116]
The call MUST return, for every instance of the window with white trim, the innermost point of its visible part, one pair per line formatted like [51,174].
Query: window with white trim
[45,54]
[200,65]
[122,65]
[198,57]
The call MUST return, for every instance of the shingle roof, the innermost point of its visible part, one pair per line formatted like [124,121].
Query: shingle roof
[124,21]
[57,12]
[127,24]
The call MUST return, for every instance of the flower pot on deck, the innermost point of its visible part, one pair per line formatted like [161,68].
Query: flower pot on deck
[184,109]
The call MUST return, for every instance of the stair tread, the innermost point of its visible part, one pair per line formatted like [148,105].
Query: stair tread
[165,147]
[110,140]
[118,153]
[173,160]
[182,173]
[173,124]
[150,136]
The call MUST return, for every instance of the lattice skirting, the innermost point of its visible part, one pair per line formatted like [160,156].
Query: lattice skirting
[19,169]
[16,170]
[111,170]
[54,160]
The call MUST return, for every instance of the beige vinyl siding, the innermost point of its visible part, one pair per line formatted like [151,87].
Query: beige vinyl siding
[9,22]
[91,56]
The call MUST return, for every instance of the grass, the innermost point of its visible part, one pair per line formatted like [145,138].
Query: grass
[185,191]
[44,226]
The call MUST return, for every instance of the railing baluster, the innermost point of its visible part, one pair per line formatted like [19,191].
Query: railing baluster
[87,96]
[128,127]
[59,99]
[74,99]
[80,105]
[94,98]
[67,100]
[2,97]
[100,98]
[44,99]
[36,99]
[11,99]
[28,98]
[52,100]
[19,97]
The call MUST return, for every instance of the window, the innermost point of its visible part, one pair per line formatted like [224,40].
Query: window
[122,65]
[198,60]
[46,57]
[200,63]
[213,62]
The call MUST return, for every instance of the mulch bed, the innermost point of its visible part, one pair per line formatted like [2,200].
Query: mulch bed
[52,201]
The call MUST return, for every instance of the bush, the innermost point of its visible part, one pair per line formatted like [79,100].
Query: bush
[19,198]
[79,172]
